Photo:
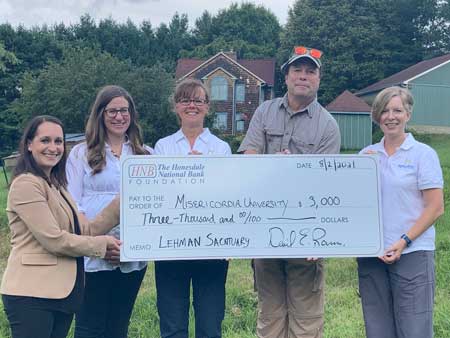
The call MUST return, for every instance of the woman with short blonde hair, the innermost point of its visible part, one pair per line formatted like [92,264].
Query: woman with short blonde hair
[397,289]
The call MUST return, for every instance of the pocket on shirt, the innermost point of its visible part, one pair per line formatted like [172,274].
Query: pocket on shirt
[39,259]
[274,138]
[301,146]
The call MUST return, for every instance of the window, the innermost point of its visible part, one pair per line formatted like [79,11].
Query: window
[219,89]
[240,92]
[240,123]
[220,121]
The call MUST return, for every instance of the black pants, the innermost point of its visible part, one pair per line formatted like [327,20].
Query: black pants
[109,298]
[173,282]
[28,320]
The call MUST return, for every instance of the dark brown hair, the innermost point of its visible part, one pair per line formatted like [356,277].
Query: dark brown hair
[26,162]
[96,130]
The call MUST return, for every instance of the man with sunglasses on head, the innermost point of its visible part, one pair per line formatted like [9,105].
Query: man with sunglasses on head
[291,290]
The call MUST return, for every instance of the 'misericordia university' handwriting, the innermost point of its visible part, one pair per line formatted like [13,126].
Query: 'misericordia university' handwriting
[247,202]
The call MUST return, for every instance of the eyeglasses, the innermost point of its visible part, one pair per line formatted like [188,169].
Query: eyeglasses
[112,112]
[302,50]
[196,102]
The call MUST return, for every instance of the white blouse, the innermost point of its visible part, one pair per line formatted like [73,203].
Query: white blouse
[92,193]
[206,143]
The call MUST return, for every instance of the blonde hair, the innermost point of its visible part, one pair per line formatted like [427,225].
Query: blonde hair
[385,96]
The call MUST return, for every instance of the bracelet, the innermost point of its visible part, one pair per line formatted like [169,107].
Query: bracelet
[407,239]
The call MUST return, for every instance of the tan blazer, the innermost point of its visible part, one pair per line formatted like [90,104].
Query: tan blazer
[42,259]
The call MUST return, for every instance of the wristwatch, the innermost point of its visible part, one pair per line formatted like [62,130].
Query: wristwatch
[407,239]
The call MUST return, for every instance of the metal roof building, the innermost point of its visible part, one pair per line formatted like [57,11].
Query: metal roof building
[353,117]
[429,82]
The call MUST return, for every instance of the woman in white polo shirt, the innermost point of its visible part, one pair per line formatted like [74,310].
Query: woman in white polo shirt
[208,277]
[397,289]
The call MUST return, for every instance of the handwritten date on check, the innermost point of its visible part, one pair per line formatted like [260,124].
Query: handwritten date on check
[255,206]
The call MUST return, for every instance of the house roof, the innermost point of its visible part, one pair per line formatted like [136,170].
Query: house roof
[184,66]
[219,69]
[348,102]
[407,74]
[75,137]
[262,68]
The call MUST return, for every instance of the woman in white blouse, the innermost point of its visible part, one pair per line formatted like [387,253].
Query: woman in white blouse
[93,173]
[208,277]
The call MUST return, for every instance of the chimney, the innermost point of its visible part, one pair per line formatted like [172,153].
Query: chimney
[231,55]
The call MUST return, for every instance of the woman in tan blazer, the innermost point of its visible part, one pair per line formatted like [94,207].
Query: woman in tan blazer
[43,283]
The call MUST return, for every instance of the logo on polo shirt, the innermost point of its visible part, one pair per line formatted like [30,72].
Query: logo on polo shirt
[406,165]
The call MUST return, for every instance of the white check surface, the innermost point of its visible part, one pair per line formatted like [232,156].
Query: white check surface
[255,206]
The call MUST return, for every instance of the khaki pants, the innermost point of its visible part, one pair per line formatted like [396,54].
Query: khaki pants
[290,298]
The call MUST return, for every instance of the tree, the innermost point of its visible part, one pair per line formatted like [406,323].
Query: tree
[31,49]
[7,61]
[242,48]
[249,22]
[6,58]
[406,26]
[363,41]
[8,133]
[147,46]
[203,30]
[67,89]
[438,32]
[348,37]
[86,31]
[173,38]
[249,30]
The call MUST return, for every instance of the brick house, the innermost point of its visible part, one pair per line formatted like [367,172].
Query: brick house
[237,86]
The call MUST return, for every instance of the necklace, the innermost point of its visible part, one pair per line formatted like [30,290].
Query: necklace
[116,145]
[115,153]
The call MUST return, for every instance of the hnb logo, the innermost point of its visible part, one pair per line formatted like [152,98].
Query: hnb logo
[142,171]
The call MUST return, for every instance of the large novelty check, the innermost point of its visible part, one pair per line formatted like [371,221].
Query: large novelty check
[198,207]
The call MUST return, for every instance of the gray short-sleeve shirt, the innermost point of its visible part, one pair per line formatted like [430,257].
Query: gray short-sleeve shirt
[275,127]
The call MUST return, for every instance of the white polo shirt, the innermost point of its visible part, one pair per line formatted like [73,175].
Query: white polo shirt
[206,143]
[412,168]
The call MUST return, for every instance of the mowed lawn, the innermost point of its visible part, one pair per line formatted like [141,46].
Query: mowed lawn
[343,310]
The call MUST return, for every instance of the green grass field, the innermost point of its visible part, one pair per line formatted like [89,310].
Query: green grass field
[343,309]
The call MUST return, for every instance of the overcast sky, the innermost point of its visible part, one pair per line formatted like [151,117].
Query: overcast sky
[37,12]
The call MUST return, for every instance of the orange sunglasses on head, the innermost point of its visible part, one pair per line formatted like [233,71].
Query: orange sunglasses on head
[301,50]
